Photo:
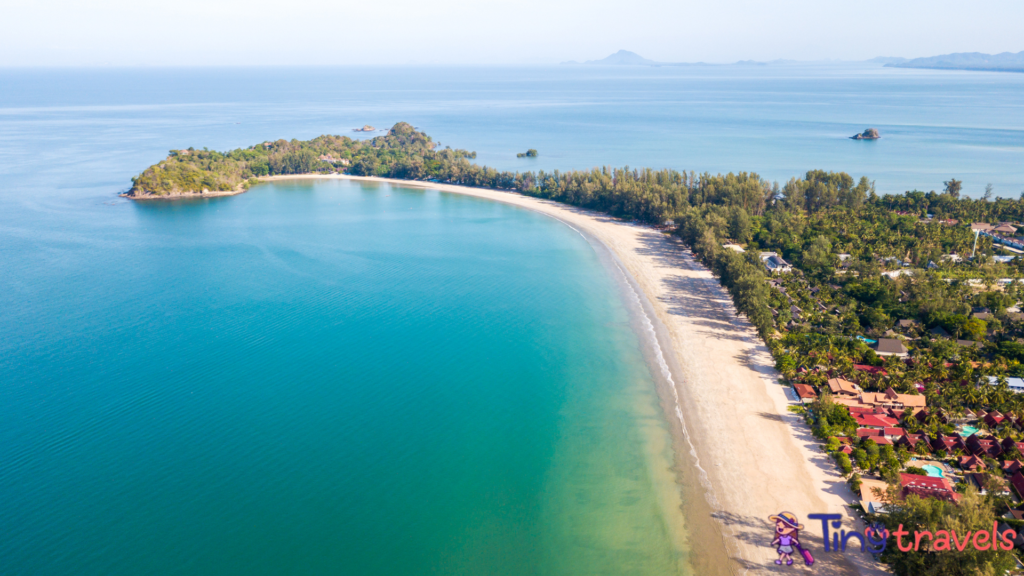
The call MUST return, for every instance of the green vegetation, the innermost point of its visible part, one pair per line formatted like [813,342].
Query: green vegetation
[974,513]
[531,153]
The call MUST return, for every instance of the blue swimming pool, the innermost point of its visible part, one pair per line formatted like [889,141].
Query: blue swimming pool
[967,431]
[932,470]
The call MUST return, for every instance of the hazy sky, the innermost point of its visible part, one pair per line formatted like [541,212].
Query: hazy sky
[215,32]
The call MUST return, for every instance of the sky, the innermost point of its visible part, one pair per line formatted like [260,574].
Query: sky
[465,32]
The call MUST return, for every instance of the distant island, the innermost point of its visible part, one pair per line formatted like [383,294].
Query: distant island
[627,58]
[531,153]
[366,128]
[869,134]
[1005,62]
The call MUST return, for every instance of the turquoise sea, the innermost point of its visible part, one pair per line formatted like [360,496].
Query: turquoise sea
[332,378]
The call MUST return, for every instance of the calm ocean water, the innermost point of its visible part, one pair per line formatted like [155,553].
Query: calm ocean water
[334,378]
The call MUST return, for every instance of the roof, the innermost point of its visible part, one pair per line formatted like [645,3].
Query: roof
[1017,481]
[891,397]
[840,386]
[906,323]
[894,432]
[870,369]
[890,346]
[969,343]
[864,432]
[966,462]
[928,487]
[874,421]
[1011,466]
[805,391]
[939,331]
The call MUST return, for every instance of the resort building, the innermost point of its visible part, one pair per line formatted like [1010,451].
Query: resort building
[928,487]
[805,392]
[891,347]
[1015,384]
[888,399]
[840,387]
[774,263]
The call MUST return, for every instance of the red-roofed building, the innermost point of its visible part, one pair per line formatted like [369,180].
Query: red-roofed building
[870,369]
[1009,443]
[1012,466]
[983,446]
[912,441]
[869,432]
[928,487]
[875,421]
[994,418]
[948,443]
[893,433]
[1017,481]
[971,463]
[880,440]
[805,392]
[846,449]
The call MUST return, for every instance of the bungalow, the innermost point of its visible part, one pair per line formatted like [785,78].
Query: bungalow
[969,343]
[890,347]
[928,487]
[805,392]
[734,248]
[840,387]
[912,441]
[863,433]
[1009,444]
[981,227]
[983,446]
[994,418]
[1005,228]
[971,463]
[939,331]
[904,325]
[1012,466]
[774,263]
[1015,384]
[949,444]
[1017,481]
[984,481]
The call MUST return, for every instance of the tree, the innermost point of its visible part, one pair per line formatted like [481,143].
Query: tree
[953,187]
[971,515]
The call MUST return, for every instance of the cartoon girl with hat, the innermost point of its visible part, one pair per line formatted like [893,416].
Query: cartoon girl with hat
[787,535]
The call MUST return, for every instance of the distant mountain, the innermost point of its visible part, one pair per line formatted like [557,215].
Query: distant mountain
[621,58]
[1005,62]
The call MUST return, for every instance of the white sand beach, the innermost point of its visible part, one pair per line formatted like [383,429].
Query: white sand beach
[759,458]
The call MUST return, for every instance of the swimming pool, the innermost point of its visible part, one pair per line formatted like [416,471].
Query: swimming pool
[932,470]
[967,431]
[867,340]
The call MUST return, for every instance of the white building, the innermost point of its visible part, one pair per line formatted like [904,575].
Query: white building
[1016,384]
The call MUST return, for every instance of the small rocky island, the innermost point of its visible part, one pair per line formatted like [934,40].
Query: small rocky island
[869,134]
[531,153]
[366,128]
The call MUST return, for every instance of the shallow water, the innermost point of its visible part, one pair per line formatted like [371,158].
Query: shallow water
[324,377]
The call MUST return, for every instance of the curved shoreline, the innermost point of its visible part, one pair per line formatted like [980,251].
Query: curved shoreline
[736,443]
